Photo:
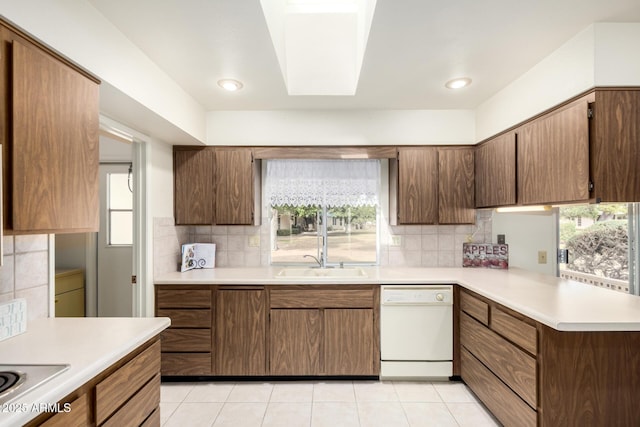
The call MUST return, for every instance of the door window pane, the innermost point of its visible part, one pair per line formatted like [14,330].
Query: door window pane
[120,209]
[121,227]
[120,197]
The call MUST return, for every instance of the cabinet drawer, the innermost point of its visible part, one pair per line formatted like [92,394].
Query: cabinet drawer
[512,365]
[78,416]
[519,332]
[139,407]
[69,281]
[501,401]
[474,307]
[183,298]
[186,363]
[70,304]
[184,340]
[119,387]
[190,318]
[153,420]
[322,298]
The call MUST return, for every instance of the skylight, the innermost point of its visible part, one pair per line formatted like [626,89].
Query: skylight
[320,44]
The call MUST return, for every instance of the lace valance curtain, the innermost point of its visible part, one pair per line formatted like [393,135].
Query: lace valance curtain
[331,183]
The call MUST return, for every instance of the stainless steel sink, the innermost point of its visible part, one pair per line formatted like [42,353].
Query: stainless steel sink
[27,377]
[307,273]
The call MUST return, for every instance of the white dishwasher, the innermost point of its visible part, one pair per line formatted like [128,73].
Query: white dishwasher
[416,331]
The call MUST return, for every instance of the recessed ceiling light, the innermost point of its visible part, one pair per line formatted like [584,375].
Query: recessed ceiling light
[230,85]
[458,83]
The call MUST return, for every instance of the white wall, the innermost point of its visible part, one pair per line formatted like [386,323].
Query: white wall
[77,30]
[603,54]
[344,127]
[617,59]
[160,179]
[526,234]
[565,73]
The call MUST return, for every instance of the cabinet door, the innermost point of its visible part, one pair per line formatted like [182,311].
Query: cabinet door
[70,304]
[615,156]
[194,196]
[553,156]
[417,185]
[495,170]
[55,144]
[295,341]
[240,344]
[234,187]
[456,186]
[349,342]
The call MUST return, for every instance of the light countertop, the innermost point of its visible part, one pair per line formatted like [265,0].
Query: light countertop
[564,305]
[88,345]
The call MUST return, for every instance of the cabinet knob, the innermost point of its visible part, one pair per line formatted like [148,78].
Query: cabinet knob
[439,297]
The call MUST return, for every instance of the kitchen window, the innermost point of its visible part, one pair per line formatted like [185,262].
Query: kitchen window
[327,209]
[602,244]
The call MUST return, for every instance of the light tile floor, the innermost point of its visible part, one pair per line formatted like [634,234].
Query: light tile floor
[319,404]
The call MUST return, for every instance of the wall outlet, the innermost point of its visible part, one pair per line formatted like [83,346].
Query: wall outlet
[396,241]
[254,241]
[542,257]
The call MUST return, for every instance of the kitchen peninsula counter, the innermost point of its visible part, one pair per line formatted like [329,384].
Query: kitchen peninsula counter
[561,304]
[88,345]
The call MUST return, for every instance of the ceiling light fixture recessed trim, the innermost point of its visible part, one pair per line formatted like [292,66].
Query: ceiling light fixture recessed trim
[458,83]
[230,84]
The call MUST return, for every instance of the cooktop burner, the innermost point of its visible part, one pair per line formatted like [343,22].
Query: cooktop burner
[10,380]
[16,380]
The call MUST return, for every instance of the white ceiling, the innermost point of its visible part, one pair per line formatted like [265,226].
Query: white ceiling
[414,47]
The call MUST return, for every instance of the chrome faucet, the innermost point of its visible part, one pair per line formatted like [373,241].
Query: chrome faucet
[319,261]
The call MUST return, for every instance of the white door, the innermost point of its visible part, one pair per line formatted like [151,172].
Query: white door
[115,240]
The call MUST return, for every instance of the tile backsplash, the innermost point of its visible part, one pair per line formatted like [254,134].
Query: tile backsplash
[246,246]
[25,272]
[168,238]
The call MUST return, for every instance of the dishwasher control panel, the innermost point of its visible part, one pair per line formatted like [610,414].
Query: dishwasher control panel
[420,295]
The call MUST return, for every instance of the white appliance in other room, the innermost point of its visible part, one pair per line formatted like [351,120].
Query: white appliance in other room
[416,328]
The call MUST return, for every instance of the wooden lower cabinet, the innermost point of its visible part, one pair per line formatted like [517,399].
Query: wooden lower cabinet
[349,342]
[324,330]
[78,415]
[241,331]
[125,394]
[293,330]
[529,374]
[295,342]
[187,344]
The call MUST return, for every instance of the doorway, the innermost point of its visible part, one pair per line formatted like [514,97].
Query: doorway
[115,240]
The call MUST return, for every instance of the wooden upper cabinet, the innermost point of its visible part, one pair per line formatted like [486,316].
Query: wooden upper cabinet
[194,197]
[50,141]
[418,185]
[553,156]
[456,186]
[235,181]
[218,185]
[495,171]
[615,155]
[435,185]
